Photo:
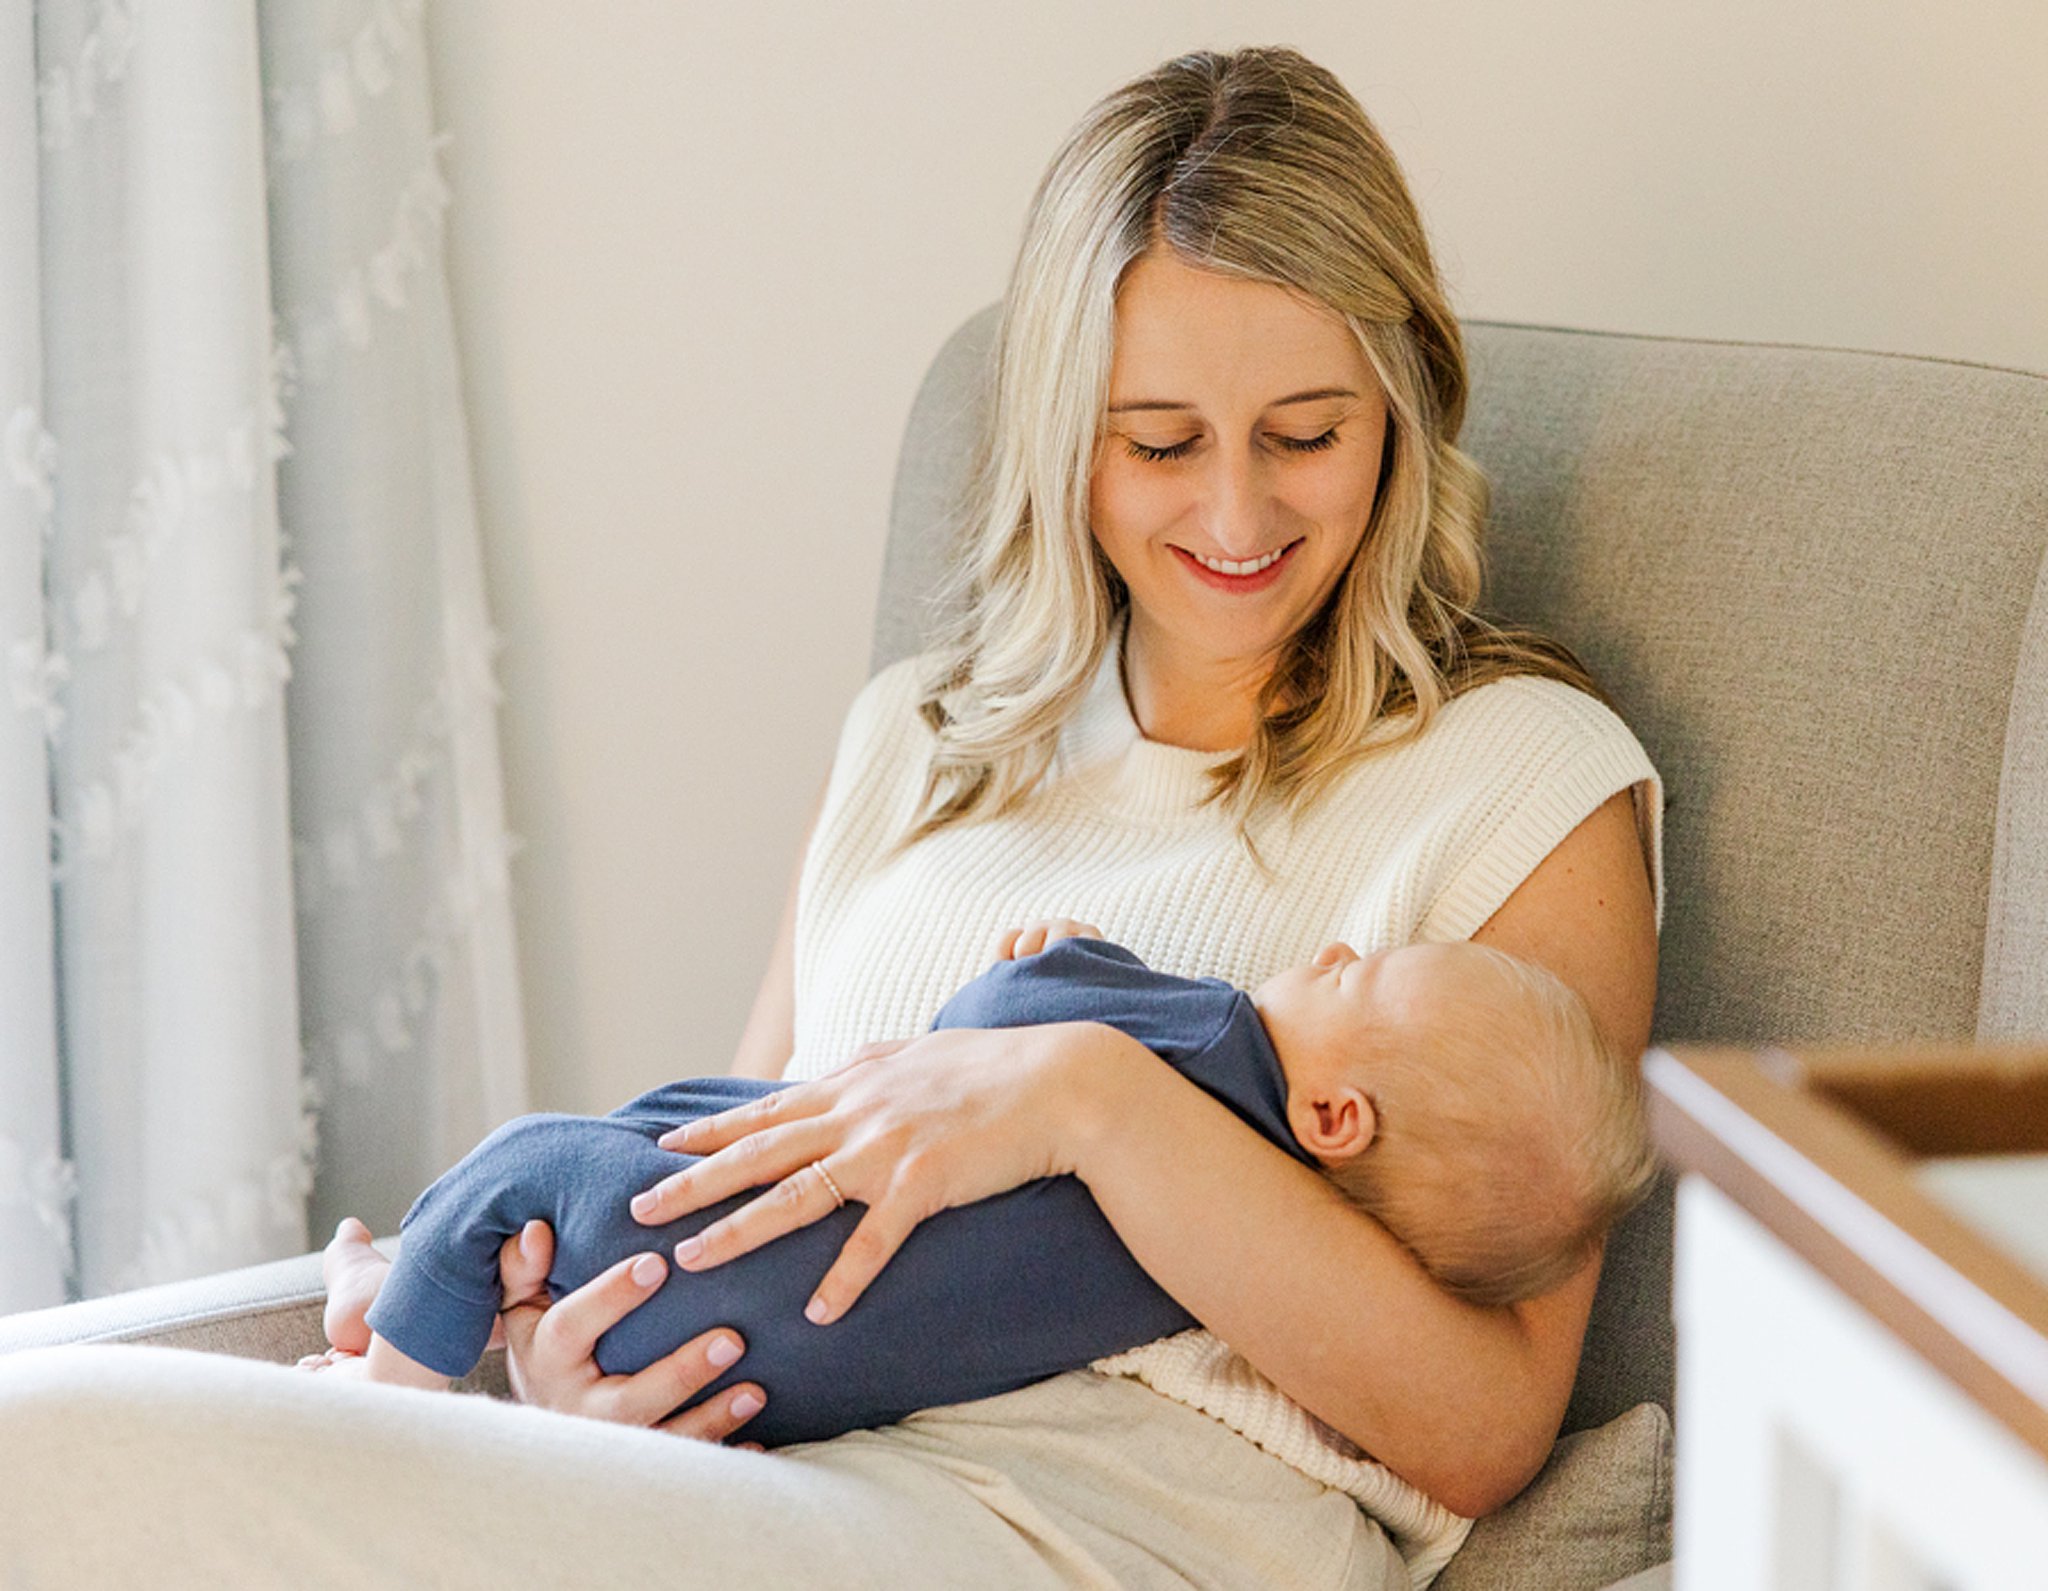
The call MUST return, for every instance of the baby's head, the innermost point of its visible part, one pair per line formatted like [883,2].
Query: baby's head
[1468,1102]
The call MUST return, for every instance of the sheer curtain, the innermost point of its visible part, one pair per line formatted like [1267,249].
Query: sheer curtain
[256,961]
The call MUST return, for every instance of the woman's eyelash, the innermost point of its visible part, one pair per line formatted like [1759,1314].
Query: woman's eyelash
[1292,444]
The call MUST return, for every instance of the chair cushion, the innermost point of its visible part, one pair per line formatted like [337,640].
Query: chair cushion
[1805,574]
[1599,1511]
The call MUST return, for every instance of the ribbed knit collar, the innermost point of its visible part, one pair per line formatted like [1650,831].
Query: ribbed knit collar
[1109,759]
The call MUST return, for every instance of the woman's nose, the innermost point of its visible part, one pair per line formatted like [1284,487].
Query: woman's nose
[1235,516]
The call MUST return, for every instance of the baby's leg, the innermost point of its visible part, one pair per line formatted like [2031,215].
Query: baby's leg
[383,1363]
[440,1301]
[574,1172]
[353,1271]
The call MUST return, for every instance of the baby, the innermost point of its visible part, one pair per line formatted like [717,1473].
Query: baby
[1460,1097]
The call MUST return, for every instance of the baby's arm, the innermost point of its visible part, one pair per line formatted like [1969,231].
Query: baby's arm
[1015,944]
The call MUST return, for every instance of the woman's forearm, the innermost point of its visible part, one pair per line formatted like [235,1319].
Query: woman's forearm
[1462,1402]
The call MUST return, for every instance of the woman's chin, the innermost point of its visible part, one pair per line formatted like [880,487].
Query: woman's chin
[1211,633]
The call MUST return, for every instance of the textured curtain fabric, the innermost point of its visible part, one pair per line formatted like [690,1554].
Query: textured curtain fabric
[256,962]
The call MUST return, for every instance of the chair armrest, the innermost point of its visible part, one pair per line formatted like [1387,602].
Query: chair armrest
[262,1312]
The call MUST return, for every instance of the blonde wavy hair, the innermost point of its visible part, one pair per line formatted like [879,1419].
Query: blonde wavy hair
[1256,164]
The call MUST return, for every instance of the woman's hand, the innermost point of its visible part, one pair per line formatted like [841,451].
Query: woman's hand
[908,1129]
[549,1348]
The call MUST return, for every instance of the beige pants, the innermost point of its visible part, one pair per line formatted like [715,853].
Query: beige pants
[147,1466]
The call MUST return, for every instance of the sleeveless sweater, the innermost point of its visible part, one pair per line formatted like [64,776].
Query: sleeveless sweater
[1421,841]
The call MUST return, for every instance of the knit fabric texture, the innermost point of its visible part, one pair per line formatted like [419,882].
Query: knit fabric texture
[1419,841]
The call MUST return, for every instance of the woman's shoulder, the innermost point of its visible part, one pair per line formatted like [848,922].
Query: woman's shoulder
[902,681]
[884,735]
[890,700]
[1508,769]
[1516,751]
[1517,719]
[1535,705]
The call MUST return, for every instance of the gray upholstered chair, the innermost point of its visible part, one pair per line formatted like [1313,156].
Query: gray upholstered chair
[1814,582]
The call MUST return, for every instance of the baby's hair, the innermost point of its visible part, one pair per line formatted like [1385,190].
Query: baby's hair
[1502,1179]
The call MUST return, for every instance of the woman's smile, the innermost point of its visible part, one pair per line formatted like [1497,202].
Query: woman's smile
[1239,576]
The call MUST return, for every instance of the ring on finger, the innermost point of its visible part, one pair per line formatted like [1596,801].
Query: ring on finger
[838,1198]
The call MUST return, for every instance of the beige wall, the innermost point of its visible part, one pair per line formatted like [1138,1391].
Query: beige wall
[701,253]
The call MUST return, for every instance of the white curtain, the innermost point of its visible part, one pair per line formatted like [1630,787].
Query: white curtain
[256,961]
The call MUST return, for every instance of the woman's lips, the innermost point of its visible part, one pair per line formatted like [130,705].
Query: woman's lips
[1240,585]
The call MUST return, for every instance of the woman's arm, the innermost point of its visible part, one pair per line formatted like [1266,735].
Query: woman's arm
[769,1037]
[1462,1401]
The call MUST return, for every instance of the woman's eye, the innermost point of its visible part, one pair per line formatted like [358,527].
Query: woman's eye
[1308,444]
[1158,455]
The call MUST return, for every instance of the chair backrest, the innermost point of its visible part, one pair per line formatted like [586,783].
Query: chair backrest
[1814,583]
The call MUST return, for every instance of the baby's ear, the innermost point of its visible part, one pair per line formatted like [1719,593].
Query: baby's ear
[1338,1124]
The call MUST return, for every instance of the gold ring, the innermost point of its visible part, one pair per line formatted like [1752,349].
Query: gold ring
[819,1167]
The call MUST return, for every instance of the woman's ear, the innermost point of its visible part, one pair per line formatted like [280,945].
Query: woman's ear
[1334,1123]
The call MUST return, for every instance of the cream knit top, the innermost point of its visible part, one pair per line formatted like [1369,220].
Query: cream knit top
[1422,842]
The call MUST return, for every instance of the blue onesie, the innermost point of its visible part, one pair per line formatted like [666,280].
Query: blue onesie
[980,1299]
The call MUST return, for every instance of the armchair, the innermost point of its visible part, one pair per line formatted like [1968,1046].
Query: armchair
[1814,582]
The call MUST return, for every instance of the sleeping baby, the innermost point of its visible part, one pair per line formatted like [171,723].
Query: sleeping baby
[1460,1097]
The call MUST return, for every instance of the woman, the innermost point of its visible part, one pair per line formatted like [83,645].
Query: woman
[1216,686]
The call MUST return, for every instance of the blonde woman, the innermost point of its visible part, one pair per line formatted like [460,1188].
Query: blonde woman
[1217,681]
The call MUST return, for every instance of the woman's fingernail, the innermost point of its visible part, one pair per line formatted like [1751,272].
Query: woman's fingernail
[816,1311]
[648,1268]
[528,1239]
[689,1249]
[746,1405]
[643,1204]
[723,1352]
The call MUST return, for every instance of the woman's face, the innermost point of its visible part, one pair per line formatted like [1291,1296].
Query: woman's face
[1244,430]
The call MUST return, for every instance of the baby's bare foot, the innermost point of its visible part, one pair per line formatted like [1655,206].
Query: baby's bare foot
[353,1271]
